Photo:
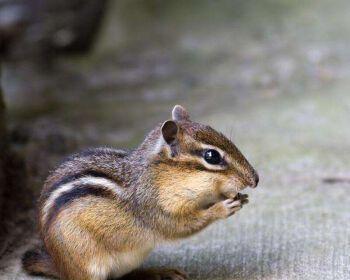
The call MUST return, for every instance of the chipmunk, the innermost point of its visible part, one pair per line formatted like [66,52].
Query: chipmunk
[102,211]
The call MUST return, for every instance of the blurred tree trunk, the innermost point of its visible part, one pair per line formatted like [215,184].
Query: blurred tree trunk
[42,30]
[3,140]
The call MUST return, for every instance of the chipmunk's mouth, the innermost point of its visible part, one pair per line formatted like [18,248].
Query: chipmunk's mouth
[243,198]
[232,195]
[235,196]
[232,190]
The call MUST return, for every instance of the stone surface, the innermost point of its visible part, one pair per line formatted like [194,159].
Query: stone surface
[274,76]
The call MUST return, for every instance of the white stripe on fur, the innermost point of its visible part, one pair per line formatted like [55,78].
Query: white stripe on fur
[96,181]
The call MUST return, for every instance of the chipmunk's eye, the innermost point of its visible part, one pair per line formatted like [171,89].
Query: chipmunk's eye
[212,156]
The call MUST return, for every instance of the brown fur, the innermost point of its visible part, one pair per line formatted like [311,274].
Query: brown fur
[164,192]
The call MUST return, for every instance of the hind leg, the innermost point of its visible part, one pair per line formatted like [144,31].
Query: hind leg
[78,266]
[75,259]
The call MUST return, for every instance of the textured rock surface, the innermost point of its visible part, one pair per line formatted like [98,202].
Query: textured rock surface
[274,77]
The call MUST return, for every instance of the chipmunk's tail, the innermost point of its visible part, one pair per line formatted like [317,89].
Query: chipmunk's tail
[38,262]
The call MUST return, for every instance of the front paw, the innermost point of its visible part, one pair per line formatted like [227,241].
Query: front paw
[230,206]
[243,198]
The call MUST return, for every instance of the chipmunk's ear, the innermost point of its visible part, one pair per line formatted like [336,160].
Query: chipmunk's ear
[179,113]
[169,131]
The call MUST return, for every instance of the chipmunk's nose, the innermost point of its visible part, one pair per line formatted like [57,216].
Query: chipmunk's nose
[255,180]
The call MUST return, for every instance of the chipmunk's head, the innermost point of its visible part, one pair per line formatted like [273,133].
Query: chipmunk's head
[194,161]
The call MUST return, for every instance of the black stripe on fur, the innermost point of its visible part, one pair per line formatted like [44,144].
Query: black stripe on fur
[70,196]
[71,178]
